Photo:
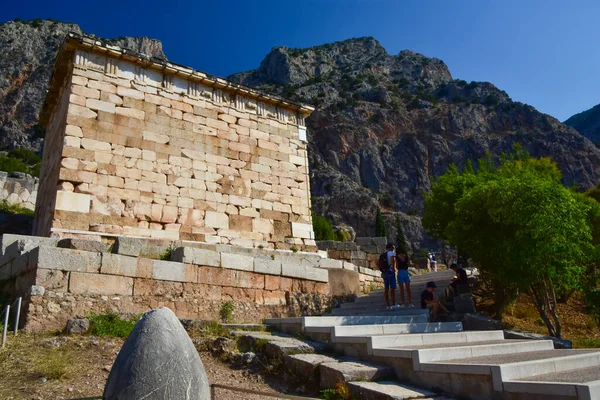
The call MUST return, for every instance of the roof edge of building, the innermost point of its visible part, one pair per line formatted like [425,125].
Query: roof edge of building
[74,41]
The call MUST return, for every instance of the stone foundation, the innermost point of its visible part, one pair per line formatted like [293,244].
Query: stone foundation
[61,278]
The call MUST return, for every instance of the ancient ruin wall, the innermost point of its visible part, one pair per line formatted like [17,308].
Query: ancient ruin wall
[148,153]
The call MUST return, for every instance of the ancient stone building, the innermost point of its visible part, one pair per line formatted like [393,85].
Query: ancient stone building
[142,147]
[163,186]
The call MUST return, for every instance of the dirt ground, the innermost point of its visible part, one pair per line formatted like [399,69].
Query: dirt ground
[69,367]
[581,328]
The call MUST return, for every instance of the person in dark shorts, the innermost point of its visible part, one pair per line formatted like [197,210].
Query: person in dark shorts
[459,279]
[389,277]
[429,302]
[402,263]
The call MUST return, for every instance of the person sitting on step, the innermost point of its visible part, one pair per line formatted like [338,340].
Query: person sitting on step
[429,302]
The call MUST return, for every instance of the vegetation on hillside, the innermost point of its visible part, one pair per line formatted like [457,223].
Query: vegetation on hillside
[380,229]
[20,160]
[526,231]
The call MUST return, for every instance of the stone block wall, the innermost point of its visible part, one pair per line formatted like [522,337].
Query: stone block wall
[161,151]
[62,278]
[18,189]
[364,252]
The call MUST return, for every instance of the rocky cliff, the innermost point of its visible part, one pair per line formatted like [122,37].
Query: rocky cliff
[587,123]
[386,124]
[27,52]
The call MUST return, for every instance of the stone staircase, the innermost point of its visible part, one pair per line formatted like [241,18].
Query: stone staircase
[397,354]
[374,302]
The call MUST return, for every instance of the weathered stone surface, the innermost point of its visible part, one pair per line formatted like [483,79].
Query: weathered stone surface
[332,373]
[558,343]
[474,322]
[388,391]
[192,255]
[84,245]
[129,246]
[66,259]
[77,325]
[237,261]
[266,265]
[294,270]
[343,282]
[306,366]
[84,283]
[168,271]
[158,361]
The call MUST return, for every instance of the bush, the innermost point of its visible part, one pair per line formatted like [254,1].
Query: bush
[387,200]
[322,228]
[226,312]
[14,209]
[491,100]
[54,364]
[21,160]
[111,325]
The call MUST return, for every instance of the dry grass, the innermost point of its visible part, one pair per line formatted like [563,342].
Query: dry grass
[579,327]
[46,366]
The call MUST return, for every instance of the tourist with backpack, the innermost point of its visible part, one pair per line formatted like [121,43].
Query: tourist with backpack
[402,263]
[387,266]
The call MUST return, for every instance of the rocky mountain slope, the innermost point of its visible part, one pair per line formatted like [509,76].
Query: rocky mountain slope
[587,123]
[386,124]
[27,52]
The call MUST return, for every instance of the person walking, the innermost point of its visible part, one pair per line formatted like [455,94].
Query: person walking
[402,263]
[387,266]
[433,261]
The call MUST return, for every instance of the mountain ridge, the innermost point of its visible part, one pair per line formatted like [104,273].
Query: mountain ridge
[587,123]
[384,125]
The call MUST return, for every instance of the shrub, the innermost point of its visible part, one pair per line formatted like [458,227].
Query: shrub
[21,160]
[14,209]
[226,312]
[322,228]
[491,100]
[53,364]
[111,325]
[387,200]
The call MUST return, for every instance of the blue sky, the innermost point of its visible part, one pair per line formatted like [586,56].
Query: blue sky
[542,52]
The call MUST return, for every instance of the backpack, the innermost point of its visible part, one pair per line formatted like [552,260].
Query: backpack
[383,262]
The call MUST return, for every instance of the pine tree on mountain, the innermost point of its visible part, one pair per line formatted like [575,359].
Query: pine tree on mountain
[380,230]
[400,238]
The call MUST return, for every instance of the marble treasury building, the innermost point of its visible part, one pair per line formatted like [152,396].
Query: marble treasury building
[165,186]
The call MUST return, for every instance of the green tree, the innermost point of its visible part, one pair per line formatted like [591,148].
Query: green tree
[400,238]
[322,228]
[520,224]
[380,230]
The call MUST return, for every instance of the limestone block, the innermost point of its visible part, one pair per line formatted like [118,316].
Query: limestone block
[168,271]
[97,145]
[79,111]
[300,230]
[100,105]
[85,283]
[85,92]
[237,261]
[129,246]
[261,225]
[72,130]
[197,256]
[75,202]
[132,152]
[216,220]
[293,269]
[115,264]
[158,361]
[266,265]
[66,259]
[155,137]
[135,94]
[130,112]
